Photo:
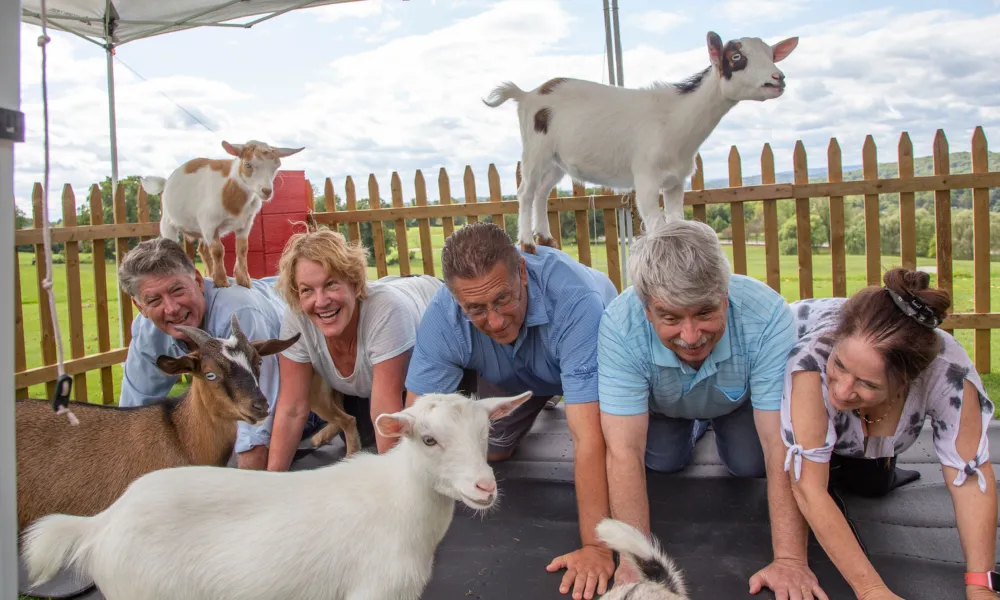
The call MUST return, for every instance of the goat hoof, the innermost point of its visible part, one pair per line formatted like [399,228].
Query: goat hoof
[529,248]
[541,240]
[220,281]
[243,279]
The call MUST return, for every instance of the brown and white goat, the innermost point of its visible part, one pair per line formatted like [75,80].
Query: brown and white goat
[83,469]
[205,199]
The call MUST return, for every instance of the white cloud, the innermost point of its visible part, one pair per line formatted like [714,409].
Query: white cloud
[415,102]
[760,10]
[353,9]
[658,21]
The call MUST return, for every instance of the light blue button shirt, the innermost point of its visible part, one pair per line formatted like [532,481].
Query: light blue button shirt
[555,352]
[259,310]
[637,373]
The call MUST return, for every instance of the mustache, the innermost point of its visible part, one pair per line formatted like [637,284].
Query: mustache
[693,346]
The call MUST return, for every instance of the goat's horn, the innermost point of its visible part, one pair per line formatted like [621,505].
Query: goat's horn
[237,332]
[197,336]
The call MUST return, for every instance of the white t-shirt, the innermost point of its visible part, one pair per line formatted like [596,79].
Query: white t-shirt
[937,393]
[387,327]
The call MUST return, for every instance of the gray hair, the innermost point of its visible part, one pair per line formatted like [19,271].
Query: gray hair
[158,256]
[681,263]
[475,249]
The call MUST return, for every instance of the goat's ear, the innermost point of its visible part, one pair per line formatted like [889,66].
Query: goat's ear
[234,149]
[782,49]
[394,424]
[283,152]
[714,48]
[274,346]
[188,363]
[503,406]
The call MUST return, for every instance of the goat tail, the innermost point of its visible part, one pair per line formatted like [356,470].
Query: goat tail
[644,552]
[54,541]
[153,185]
[503,93]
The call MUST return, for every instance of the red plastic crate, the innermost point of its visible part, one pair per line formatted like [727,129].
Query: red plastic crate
[278,228]
[289,194]
[255,264]
[255,241]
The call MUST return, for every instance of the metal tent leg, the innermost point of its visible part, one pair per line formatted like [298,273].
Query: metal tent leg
[10,99]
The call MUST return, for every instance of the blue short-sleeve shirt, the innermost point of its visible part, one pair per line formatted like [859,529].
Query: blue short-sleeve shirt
[555,352]
[259,310]
[637,373]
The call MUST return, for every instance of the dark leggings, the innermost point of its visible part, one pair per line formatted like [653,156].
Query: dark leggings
[867,477]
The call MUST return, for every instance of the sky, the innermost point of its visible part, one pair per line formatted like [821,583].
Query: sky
[388,85]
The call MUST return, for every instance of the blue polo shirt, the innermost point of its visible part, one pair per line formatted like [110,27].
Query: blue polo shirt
[637,373]
[555,352]
[259,310]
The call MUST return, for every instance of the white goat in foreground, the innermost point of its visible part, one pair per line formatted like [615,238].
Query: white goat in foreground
[365,528]
[659,577]
[624,138]
[205,199]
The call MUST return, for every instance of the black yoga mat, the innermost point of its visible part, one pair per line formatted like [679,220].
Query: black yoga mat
[714,525]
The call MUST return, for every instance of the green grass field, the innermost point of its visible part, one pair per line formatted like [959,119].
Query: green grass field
[822,286]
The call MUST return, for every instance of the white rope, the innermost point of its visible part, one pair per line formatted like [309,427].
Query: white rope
[43,41]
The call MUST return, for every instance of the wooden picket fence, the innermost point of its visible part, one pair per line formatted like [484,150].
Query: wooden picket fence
[982,320]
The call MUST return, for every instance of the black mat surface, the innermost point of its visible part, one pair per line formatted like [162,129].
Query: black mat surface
[714,525]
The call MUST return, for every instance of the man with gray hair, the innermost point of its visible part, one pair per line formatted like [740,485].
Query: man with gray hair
[690,345]
[168,291]
[506,322]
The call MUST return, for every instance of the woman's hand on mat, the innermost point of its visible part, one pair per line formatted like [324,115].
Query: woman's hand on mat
[587,570]
[789,579]
[978,592]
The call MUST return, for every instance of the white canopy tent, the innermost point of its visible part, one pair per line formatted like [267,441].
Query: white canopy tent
[110,24]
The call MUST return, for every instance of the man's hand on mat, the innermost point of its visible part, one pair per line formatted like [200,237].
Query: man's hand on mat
[625,574]
[587,569]
[881,593]
[789,580]
[254,459]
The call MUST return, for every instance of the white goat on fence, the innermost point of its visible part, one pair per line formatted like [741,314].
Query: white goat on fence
[624,138]
[365,528]
[205,199]
[659,577]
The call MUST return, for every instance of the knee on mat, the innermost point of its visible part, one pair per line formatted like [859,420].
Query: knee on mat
[750,465]
[668,464]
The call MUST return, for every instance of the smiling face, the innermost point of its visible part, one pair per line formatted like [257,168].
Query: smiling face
[498,289]
[690,332]
[173,300]
[330,301]
[856,375]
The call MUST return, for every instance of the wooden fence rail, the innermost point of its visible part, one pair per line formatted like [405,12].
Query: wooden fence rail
[395,213]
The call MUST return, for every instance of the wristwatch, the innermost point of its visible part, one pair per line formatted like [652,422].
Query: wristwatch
[989,580]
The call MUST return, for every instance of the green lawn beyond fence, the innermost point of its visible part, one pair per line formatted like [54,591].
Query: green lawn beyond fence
[822,286]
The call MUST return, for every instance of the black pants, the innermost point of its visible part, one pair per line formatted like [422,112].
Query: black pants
[866,477]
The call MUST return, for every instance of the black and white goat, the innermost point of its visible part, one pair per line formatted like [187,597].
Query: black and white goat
[626,138]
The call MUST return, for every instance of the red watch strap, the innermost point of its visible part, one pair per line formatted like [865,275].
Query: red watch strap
[988,580]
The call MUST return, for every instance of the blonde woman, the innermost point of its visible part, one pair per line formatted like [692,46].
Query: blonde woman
[356,334]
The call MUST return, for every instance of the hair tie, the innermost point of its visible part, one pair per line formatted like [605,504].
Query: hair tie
[916,309]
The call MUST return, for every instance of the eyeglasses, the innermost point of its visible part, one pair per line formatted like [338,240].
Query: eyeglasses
[505,302]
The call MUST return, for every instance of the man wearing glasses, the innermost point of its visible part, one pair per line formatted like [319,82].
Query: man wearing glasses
[506,322]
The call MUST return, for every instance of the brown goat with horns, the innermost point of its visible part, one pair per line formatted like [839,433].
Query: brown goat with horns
[83,469]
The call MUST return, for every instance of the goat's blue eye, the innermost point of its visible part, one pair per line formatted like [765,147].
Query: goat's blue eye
[210,376]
